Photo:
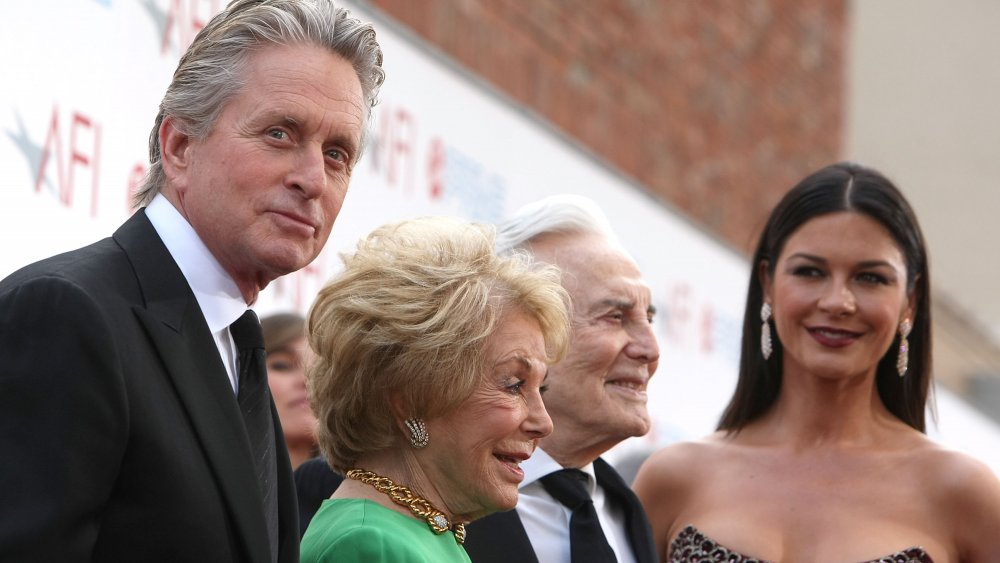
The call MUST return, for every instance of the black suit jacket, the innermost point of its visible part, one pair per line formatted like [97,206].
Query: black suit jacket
[314,483]
[501,538]
[120,434]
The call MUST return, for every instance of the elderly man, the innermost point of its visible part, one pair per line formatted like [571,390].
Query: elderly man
[136,422]
[573,506]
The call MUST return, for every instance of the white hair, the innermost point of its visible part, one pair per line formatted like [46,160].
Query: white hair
[563,214]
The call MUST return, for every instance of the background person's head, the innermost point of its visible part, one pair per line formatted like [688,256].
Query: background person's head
[288,354]
[597,393]
[427,322]
[838,188]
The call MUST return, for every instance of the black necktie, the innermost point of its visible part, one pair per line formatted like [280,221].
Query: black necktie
[586,538]
[254,398]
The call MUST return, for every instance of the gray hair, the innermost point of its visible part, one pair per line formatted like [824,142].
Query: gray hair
[210,72]
[562,214]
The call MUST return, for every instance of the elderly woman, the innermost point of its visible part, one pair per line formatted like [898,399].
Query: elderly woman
[287,356]
[821,454]
[432,355]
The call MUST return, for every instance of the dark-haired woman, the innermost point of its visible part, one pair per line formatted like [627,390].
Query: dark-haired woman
[821,454]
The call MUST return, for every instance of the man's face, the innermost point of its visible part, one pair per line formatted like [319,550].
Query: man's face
[263,189]
[597,394]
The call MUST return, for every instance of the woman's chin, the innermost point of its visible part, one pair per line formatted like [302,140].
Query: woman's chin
[299,438]
[505,502]
[493,504]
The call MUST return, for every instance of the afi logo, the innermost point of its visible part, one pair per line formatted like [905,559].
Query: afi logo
[393,148]
[71,144]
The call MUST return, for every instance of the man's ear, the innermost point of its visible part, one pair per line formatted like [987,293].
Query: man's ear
[175,154]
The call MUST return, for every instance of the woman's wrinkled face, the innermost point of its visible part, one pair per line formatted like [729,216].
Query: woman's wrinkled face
[838,292]
[474,452]
[286,376]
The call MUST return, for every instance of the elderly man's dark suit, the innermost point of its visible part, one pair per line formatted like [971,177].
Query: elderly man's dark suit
[120,434]
[501,537]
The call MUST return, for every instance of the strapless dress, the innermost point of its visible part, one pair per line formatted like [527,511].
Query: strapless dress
[692,546]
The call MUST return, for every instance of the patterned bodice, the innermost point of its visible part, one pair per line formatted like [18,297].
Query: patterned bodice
[692,546]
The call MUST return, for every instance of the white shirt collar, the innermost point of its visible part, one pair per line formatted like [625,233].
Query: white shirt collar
[217,294]
[546,521]
[541,464]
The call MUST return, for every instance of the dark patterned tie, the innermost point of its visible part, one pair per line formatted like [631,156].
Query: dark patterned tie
[586,538]
[254,399]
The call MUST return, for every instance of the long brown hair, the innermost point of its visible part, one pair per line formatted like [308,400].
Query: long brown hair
[838,187]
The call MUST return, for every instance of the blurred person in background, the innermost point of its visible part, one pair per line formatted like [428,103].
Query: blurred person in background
[432,353]
[821,454]
[573,506]
[287,355]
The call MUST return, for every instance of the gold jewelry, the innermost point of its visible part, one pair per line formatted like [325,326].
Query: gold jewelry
[403,496]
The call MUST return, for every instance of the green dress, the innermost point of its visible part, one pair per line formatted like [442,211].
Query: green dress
[362,531]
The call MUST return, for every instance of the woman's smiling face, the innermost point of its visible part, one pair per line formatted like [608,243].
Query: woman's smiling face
[474,452]
[839,293]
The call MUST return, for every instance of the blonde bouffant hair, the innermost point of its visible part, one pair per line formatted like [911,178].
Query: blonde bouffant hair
[406,324]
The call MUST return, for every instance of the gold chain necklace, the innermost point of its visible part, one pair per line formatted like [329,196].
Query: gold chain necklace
[403,496]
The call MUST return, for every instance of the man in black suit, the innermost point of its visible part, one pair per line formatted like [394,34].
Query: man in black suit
[573,507]
[129,417]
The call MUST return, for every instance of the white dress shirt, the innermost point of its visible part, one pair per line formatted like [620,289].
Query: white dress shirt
[546,520]
[218,296]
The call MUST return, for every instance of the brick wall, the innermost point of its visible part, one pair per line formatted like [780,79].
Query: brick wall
[717,106]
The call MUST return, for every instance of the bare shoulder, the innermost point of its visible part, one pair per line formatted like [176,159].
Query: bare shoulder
[965,492]
[947,474]
[954,474]
[673,466]
[669,479]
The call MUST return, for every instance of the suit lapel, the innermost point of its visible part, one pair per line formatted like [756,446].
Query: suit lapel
[179,333]
[288,505]
[499,538]
[639,532]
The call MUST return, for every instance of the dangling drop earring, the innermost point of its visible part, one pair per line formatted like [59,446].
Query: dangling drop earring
[765,330]
[903,360]
[418,432]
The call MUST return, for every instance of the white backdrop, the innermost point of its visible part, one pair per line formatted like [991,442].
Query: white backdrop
[82,81]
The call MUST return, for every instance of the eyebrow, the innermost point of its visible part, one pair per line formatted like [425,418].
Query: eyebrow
[624,304]
[519,359]
[613,303]
[863,264]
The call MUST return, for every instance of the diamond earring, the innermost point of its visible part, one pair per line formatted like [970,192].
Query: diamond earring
[418,432]
[765,330]
[903,360]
